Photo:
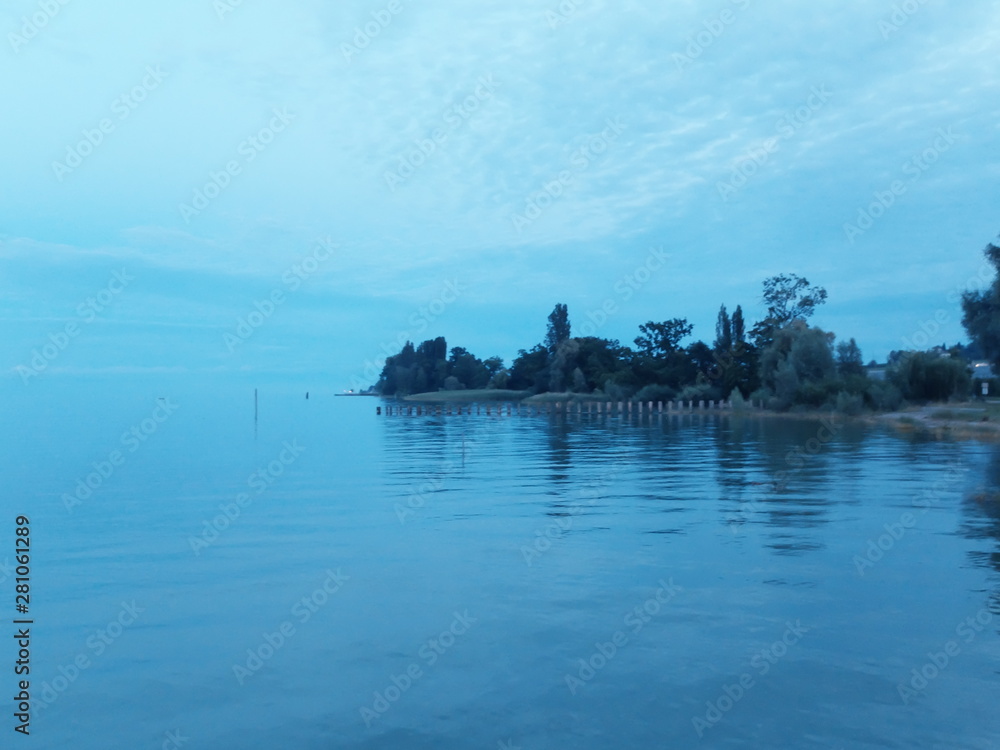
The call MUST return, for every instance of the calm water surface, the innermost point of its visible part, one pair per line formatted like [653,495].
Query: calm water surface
[469,582]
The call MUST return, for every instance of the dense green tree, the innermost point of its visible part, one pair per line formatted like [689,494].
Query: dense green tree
[467,368]
[738,327]
[407,356]
[558,329]
[602,360]
[493,365]
[561,365]
[981,311]
[849,359]
[662,339]
[735,360]
[500,379]
[796,357]
[421,383]
[788,298]
[528,371]
[794,364]
[723,332]
[415,370]
[701,359]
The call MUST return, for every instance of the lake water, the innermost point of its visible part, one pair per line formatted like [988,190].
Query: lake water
[482,582]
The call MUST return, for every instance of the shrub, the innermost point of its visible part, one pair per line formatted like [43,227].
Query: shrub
[739,403]
[883,396]
[925,376]
[819,393]
[616,392]
[851,404]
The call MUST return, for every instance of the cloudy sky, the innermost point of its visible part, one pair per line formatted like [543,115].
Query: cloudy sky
[365,172]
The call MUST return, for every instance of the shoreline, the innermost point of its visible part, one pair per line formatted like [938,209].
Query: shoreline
[942,421]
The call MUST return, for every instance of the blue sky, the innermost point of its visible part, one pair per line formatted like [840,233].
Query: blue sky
[394,169]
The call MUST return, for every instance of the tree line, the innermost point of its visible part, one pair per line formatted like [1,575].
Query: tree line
[780,360]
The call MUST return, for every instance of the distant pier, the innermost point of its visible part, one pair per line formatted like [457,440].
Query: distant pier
[517,409]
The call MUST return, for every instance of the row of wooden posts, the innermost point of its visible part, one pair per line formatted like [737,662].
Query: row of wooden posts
[557,407]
